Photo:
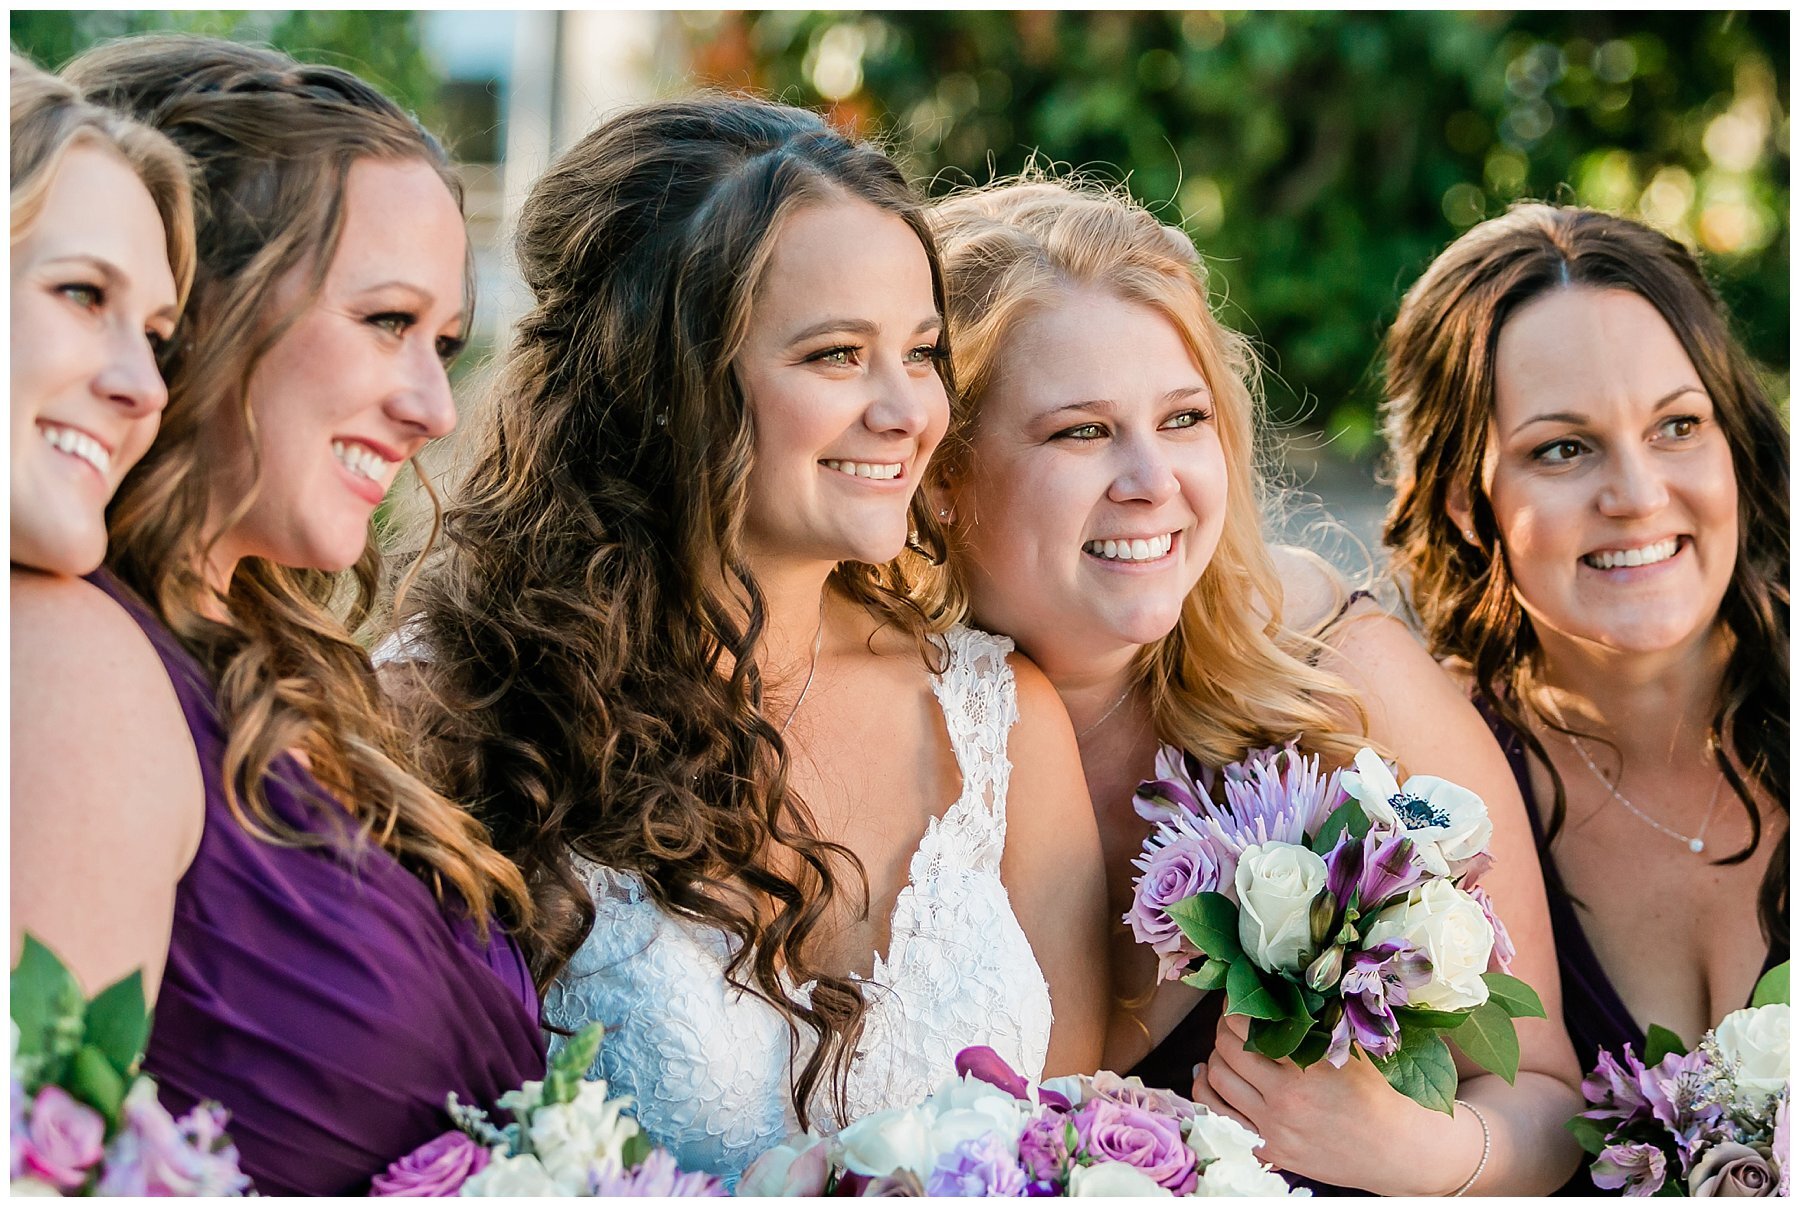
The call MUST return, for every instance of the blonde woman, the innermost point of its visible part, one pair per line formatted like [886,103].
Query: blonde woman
[1099,480]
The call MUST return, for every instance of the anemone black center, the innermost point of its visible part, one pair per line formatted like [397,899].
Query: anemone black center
[1416,814]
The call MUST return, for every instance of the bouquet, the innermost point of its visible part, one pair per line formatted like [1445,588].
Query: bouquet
[1711,1122]
[1339,912]
[567,1139]
[83,1120]
[988,1132]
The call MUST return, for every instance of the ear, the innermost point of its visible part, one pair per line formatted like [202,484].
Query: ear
[944,490]
[1461,511]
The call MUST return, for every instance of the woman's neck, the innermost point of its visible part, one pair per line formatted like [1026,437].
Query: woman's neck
[1653,707]
[797,614]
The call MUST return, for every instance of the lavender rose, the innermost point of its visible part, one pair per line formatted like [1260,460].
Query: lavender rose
[434,1170]
[63,1139]
[1181,868]
[1044,1147]
[1637,1169]
[1732,1171]
[1151,1144]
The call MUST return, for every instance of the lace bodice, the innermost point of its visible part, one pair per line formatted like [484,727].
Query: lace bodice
[709,1066]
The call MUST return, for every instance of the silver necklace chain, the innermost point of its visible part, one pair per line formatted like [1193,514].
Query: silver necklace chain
[1105,716]
[818,643]
[1696,844]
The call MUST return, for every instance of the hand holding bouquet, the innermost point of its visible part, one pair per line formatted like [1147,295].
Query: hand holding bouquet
[1711,1122]
[83,1120]
[1339,912]
[989,1133]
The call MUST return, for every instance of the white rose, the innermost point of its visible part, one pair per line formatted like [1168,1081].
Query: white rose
[511,1178]
[1114,1179]
[1448,824]
[33,1188]
[1449,926]
[1216,1138]
[1243,1180]
[968,1108]
[900,1139]
[1276,884]
[572,1138]
[1755,1041]
[795,1168]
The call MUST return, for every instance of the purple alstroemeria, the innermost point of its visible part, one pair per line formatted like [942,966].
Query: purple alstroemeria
[1180,786]
[1613,1090]
[984,1064]
[1637,1169]
[1676,1091]
[1389,870]
[1374,983]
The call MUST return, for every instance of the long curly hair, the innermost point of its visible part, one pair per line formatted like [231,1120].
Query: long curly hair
[50,119]
[590,627]
[1231,676]
[1440,399]
[273,142]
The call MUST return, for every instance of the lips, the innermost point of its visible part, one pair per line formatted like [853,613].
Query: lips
[1637,555]
[1131,549]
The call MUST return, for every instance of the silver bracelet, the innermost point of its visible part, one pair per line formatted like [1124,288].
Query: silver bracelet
[1487,1145]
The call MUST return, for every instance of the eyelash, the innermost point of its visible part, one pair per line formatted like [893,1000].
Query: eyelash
[1199,415]
[926,354]
[96,295]
[448,347]
[1542,452]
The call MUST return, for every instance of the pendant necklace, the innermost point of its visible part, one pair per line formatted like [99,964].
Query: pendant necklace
[1696,844]
[818,641]
[1105,716]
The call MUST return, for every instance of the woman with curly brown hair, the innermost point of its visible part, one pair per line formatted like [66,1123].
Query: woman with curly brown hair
[792,841]
[206,783]
[1101,486]
[1591,523]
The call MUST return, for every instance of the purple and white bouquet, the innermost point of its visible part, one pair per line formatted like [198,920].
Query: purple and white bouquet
[1708,1123]
[84,1121]
[567,1139]
[1339,912]
[987,1132]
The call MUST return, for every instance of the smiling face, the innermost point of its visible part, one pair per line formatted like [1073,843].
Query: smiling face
[1096,484]
[839,370]
[359,383]
[91,297]
[1609,474]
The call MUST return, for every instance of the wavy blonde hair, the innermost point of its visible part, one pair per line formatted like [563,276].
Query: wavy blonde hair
[274,141]
[1231,676]
[50,119]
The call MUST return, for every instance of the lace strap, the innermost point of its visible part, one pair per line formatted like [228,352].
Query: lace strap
[980,702]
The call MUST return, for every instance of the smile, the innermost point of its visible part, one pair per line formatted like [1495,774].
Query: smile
[866,469]
[76,444]
[1646,555]
[1131,549]
[362,461]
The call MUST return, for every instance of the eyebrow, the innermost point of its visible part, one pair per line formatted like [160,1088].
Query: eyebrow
[1179,394]
[1573,417]
[862,327]
[113,274]
[424,297]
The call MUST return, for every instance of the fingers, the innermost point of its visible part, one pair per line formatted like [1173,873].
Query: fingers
[1232,1086]
[1204,1095]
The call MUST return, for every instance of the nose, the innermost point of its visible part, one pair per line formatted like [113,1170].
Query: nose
[131,378]
[1144,474]
[422,401]
[1634,485]
[902,404]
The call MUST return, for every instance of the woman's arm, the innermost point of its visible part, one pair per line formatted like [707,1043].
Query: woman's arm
[1053,872]
[1416,713]
[107,799]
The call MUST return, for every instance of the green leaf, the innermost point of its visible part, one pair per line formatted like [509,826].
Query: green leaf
[1277,1038]
[634,1150]
[1210,922]
[93,1080]
[1210,975]
[1518,999]
[1336,824]
[1772,988]
[1589,1133]
[1489,1038]
[117,1023]
[1311,1049]
[1437,1020]
[1248,992]
[1659,1042]
[1423,1069]
[41,992]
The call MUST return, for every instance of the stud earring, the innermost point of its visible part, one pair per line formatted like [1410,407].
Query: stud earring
[1469,535]
[943,513]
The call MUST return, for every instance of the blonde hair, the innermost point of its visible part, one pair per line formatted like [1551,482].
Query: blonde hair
[50,119]
[1230,677]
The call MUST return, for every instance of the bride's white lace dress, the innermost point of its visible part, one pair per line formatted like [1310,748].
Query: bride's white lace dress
[709,1066]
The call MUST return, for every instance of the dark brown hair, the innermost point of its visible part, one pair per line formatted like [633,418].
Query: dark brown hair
[273,141]
[1440,398]
[589,631]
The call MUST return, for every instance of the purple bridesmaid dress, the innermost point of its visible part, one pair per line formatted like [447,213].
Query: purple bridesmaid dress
[320,993]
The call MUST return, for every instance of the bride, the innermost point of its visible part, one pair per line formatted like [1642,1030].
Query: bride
[793,843]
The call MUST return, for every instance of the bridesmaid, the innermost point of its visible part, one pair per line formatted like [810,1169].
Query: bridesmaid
[1591,522]
[206,782]
[1099,478]
[102,257]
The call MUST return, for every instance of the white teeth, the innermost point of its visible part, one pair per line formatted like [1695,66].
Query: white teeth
[864,469]
[1648,555]
[1132,550]
[77,444]
[361,460]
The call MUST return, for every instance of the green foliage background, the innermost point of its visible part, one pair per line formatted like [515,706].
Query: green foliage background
[1321,159]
